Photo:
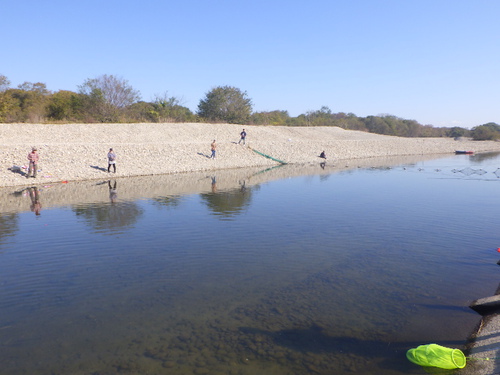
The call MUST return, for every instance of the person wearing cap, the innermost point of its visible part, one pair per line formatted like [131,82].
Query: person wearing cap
[33,162]
[111,160]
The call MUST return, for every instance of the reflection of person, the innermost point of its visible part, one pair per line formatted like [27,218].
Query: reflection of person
[113,195]
[322,155]
[322,165]
[213,146]
[36,206]
[214,185]
[111,160]
[33,162]
[243,135]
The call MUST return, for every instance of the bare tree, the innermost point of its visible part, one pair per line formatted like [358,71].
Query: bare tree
[4,83]
[115,91]
[38,87]
[106,96]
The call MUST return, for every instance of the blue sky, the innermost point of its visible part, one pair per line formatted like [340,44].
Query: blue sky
[434,61]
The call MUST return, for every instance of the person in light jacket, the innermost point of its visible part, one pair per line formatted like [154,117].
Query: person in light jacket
[111,160]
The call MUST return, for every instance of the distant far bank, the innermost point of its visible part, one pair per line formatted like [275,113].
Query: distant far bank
[111,99]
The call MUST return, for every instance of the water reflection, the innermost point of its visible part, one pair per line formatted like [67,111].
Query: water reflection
[113,195]
[214,184]
[479,158]
[171,201]
[34,194]
[109,218]
[175,185]
[228,203]
[363,266]
[9,225]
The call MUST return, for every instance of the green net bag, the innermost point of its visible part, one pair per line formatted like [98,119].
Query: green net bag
[437,356]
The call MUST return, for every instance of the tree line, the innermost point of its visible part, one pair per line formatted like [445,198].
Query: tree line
[111,99]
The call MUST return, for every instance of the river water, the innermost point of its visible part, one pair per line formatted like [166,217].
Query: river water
[292,270]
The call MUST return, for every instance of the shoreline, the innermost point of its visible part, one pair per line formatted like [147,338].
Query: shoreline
[91,191]
[77,152]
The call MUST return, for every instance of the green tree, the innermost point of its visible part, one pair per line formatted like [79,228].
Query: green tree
[159,111]
[412,128]
[96,109]
[486,132]
[350,121]
[321,117]
[456,132]
[226,104]
[300,120]
[5,100]
[270,118]
[141,112]
[376,124]
[9,107]
[24,104]
[65,106]
[170,109]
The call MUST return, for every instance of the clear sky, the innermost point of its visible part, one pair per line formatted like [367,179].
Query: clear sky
[434,61]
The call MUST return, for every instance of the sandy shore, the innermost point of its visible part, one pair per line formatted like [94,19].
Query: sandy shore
[77,152]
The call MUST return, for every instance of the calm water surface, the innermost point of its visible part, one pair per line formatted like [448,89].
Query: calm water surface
[335,273]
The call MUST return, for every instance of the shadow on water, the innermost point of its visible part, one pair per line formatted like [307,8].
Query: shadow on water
[479,158]
[461,309]
[316,340]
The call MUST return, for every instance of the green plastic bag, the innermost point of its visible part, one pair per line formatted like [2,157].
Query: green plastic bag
[437,356]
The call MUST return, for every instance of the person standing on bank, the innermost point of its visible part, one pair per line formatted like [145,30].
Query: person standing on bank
[33,162]
[111,160]
[213,146]
[243,135]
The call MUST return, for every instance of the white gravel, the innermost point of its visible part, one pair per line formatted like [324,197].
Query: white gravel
[78,151]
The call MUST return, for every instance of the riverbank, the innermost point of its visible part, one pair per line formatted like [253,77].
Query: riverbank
[95,191]
[76,152]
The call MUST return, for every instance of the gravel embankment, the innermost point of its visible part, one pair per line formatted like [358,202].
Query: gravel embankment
[78,151]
